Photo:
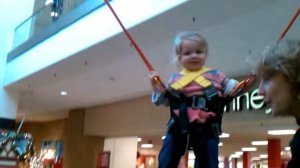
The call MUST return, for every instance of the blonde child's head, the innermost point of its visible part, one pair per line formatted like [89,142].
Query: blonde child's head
[194,37]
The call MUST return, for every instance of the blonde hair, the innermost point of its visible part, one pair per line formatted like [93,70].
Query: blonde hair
[193,36]
[282,57]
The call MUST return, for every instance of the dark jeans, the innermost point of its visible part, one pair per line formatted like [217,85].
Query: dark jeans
[174,146]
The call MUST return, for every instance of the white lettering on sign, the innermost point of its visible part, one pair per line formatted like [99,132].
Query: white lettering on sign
[252,100]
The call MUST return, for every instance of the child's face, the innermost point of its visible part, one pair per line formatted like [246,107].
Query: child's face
[193,55]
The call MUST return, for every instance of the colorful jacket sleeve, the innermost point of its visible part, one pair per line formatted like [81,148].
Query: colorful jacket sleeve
[158,98]
[227,84]
[221,82]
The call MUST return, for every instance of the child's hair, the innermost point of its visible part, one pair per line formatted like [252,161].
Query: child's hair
[193,36]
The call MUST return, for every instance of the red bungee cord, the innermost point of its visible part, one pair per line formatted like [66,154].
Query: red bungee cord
[246,83]
[289,25]
[137,48]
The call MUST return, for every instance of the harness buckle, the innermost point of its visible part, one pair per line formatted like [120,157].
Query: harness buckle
[210,92]
[198,102]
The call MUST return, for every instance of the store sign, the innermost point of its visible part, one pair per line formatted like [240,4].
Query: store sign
[248,101]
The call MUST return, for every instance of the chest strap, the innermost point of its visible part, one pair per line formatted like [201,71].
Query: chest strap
[190,76]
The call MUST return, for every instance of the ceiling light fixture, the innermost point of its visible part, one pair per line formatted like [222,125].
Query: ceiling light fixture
[248,149]
[281,132]
[259,143]
[220,144]
[255,158]
[224,135]
[139,139]
[147,145]
[63,93]
[238,153]
[234,156]
[264,156]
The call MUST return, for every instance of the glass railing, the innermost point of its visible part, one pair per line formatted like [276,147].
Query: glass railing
[39,20]
[42,19]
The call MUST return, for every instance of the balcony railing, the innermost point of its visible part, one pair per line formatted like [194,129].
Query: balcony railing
[48,20]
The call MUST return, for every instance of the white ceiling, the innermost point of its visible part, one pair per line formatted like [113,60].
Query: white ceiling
[112,71]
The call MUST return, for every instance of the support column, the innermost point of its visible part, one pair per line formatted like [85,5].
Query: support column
[234,162]
[122,150]
[187,159]
[226,162]
[8,109]
[80,151]
[184,161]
[274,149]
[284,163]
[246,159]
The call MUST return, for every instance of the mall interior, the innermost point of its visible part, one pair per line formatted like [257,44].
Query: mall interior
[75,93]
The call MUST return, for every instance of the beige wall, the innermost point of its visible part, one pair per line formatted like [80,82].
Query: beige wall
[79,151]
[54,130]
[128,118]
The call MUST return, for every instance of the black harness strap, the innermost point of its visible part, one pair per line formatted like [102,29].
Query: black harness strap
[210,102]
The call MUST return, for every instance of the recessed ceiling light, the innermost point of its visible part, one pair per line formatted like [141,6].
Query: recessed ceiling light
[259,143]
[63,93]
[264,156]
[234,156]
[163,137]
[255,158]
[148,145]
[139,139]
[281,132]
[224,135]
[287,148]
[238,153]
[248,149]
[220,144]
